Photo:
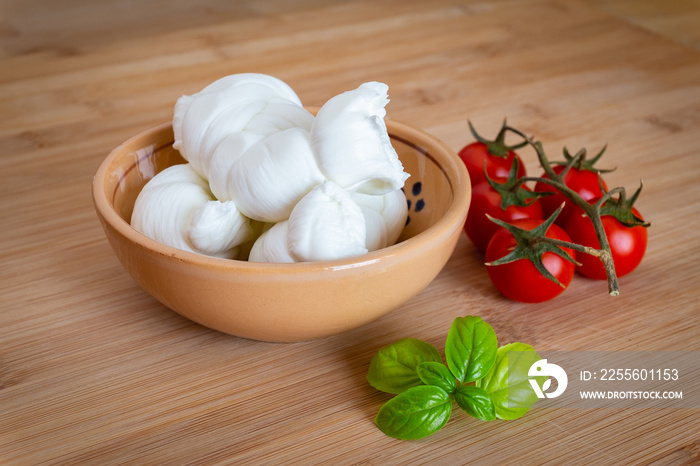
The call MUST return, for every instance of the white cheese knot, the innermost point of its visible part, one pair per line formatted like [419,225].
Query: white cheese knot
[325,187]
[241,102]
[385,217]
[268,178]
[177,208]
[351,142]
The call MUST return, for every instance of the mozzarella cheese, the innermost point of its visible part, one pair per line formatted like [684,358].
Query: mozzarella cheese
[177,208]
[326,187]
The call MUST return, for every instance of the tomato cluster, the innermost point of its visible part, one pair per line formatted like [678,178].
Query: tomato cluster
[523,231]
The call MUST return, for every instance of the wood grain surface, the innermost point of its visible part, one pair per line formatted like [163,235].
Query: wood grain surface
[95,371]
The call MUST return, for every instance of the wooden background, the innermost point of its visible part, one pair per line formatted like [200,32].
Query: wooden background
[94,371]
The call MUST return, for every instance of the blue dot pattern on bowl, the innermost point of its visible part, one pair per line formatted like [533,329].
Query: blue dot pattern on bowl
[419,203]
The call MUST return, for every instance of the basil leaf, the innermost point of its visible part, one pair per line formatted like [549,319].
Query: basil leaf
[470,349]
[476,402]
[507,382]
[393,368]
[415,413]
[436,373]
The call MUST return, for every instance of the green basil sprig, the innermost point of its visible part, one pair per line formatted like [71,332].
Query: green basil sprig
[485,381]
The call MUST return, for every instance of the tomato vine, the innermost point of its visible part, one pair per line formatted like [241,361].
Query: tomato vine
[556,179]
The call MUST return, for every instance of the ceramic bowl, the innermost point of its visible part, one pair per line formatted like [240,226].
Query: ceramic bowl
[288,302]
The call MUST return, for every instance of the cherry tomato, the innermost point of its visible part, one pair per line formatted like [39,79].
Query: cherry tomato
[476,154]
[486,200]
[584,182]
[627,244]
[520,280]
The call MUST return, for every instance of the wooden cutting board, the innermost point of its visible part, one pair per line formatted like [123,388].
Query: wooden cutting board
[95,371]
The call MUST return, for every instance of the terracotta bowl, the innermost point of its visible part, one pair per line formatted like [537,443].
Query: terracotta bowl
[287,302]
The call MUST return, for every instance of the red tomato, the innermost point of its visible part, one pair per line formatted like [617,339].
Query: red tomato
[627,244]
[486,200]
[476,154]
[584,182]
[520,280]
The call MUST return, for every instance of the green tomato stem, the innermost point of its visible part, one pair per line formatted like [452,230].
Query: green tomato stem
[601,254]
[591,210]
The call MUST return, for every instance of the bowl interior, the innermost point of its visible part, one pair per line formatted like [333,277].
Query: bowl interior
[428,190]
